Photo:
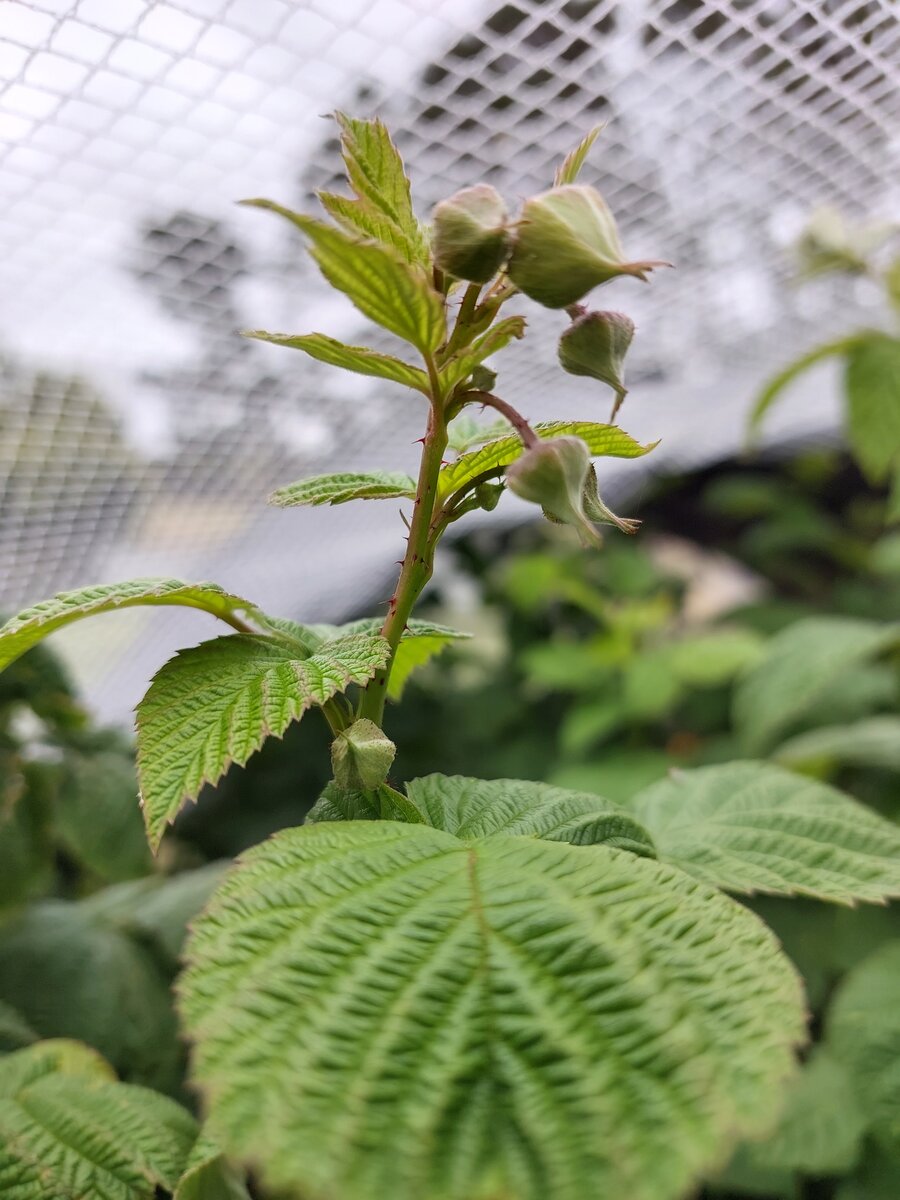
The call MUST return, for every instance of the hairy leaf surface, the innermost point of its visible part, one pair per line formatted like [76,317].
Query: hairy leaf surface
[216,704]
[754,827]
[863,1032]
[33,624]
[360,359]
[602,441]
[382,1009]
[421,641]
[338,489]
[385,289]
[477,808]
[68,1131]
[800,664]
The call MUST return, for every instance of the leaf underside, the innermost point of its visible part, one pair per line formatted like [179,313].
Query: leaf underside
[753,827]
[33,624]
[216,703]
[602,441]
[383,1009]
[338,489]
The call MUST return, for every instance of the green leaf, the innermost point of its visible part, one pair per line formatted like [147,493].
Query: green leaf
[420,642]
[800,665]
[382,1009]
[385,289]
[753,827]
[570,167]
[360,359]
[377,176]
[495,338]
[338,489]
[602,440]
[778,383]
[715,656]
[477,808]
[872,742]
[68,1131]
[15,1032]
[863,1032]
[821,1127]
[464,432]
[208,1175]
[72,974]
[216,704]
[32,625]
[873,405]
[338,803]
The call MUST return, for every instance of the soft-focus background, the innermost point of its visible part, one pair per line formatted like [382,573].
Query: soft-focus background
[140,435]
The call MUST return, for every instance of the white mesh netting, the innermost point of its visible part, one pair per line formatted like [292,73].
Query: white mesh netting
[140,435]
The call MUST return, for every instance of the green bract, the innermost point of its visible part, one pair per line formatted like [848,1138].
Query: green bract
[567,244]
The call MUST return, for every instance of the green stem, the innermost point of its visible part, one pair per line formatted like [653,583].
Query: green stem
[464,317]
[418,562]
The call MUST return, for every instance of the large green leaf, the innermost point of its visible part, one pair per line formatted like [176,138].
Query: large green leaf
[383,207]
[873,405]
[608,441]
[360,359]
[68,1131]
[338,489]
[863,1032]
[216,704]
[385,289]
[800,665]
[477,808]
[419,643]
[753,827]
[383,1009]
[33,624]
[493,339]
[871,742]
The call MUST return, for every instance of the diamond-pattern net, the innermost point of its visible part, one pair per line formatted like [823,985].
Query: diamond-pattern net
[140,435]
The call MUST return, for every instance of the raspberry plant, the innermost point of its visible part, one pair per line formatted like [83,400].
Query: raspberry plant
[468,988]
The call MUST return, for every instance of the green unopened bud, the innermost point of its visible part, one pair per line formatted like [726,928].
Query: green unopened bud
[553,474]
[470,238]
[361,756]
[595,344]
[566,244]
[488,495]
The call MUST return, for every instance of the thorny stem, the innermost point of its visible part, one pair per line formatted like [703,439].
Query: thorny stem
[464,316]
[418,561]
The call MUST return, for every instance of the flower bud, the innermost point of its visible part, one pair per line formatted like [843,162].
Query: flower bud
[361,756]
[595,344]
[470,237]
[553,474]
[566,244]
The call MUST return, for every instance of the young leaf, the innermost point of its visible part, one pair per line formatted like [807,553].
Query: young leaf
[338,489]
[419,643]
[495,338]
[871,742]
[216,704]
[602,441]
[69,1131]
[570,167]
[464,432]
[753,827]
[376,174]
[360,359]
[800,664]
[778,383]
[422,1016]
[863,1033]
[873,405]
[385,289]
[32,625]
[477,808]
